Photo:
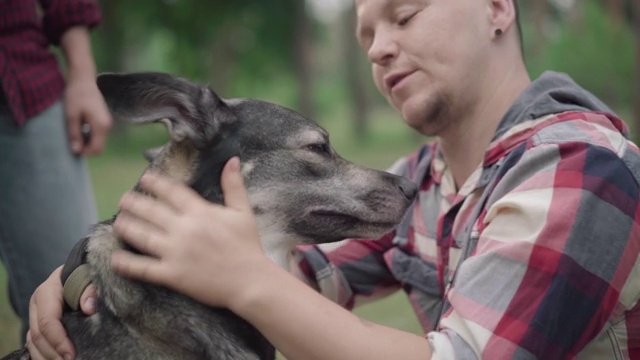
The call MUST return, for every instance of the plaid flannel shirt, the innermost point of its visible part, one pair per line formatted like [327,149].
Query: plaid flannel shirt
[29,72]
[535,256]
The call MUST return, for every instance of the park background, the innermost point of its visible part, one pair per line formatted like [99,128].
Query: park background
[302,54]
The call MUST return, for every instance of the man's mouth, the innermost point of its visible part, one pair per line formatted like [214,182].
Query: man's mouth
[393,80]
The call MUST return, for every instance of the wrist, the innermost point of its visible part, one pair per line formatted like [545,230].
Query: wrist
[76,45]
[260,280]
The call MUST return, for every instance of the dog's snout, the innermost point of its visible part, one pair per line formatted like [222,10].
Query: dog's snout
[408,188]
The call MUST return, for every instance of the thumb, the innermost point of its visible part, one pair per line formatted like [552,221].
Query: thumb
[235,194]
[74,130]
[88,300]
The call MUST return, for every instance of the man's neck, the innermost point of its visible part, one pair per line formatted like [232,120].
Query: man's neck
[464,143]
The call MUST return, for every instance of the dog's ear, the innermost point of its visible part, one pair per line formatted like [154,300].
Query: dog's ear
[187,109]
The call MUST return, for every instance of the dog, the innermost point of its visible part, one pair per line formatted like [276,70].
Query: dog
[300,189]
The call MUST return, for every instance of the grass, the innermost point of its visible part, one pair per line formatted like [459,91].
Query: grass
[118,168]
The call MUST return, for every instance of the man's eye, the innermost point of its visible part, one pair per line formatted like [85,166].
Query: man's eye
[405,20]
[322,149]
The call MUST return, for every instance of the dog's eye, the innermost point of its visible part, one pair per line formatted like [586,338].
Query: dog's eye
[321,148]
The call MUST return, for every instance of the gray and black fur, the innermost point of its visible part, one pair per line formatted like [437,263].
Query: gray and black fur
[300,190]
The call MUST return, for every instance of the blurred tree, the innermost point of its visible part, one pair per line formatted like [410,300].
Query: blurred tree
[241,44]
[302,58]
[111,38]
[598,57]
[264,49]
[577,14]
[358,95]
[616,9]
[540,13]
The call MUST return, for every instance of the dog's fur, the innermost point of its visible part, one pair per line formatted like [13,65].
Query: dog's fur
[301,191]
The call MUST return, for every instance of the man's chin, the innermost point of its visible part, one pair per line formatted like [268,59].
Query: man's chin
[425,126]
[415,119]
[427,118]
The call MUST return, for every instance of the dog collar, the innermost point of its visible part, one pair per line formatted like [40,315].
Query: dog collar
[77,281]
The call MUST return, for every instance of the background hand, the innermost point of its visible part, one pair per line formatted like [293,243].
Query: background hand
[84,104]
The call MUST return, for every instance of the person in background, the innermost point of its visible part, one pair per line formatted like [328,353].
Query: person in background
[47,126]
[524,242]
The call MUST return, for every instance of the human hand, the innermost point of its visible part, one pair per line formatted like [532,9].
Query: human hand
[206,251]
[47,338]
[85,106]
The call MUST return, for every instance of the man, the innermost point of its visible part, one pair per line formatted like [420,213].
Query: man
[524,242]
[46,201]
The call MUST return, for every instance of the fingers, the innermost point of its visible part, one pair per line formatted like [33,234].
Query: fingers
[147,208]
[140,234]
[37,343]
[96,142]
[139,267]
[88,300]
[84,105]
[37,353]
[235,194]
[177,195]
[74,124]
[47,335]
[34,353]
[180,197]
[100,122]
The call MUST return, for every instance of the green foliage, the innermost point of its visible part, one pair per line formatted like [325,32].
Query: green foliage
[189,37]
[245,48]
[595,51]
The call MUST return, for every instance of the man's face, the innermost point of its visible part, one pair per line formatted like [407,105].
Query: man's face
[426,55]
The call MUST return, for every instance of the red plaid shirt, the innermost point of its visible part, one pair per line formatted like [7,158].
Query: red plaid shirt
[535,256]
[30,76]
[556,270]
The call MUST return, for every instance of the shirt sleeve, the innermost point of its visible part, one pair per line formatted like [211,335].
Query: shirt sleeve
[555,258]
[60,15]
[351,272]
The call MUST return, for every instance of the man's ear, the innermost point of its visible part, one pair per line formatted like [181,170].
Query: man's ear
[187,109]
[503,15]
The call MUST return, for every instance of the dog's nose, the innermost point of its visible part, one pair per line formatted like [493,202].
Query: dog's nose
[408,188]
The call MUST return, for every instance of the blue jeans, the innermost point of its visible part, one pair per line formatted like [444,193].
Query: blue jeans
[46,201]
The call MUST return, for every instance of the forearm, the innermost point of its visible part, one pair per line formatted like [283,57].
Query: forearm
[301,324]
[76,45]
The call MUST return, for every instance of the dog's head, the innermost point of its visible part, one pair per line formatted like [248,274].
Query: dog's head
[301,190]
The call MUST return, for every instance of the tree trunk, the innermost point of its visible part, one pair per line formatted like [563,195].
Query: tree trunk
[302,58]
[360,102]
[113,45]
[540,13]
[578,15]
[224,57]
[616,10]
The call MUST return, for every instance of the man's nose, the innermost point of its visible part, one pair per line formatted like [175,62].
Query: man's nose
[383,49]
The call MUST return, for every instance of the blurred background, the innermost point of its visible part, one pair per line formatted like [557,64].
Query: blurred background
[302,54]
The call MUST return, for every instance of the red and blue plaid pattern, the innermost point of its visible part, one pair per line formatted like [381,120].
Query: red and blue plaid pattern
[556,270]
[29,72]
